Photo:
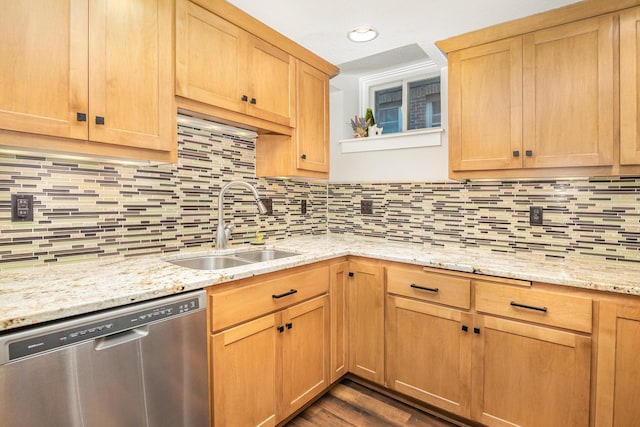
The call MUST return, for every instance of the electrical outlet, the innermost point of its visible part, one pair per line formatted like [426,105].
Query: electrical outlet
[303,207]
[268,203]
[21,207]
[535,215]
[366,207]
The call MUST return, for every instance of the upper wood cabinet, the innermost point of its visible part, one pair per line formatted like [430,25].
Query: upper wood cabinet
[306,152]
[97,72]
[219,63]
[541,100]
[629,87]
[485,106]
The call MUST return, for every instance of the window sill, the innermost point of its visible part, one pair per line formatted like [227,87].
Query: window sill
[393,141]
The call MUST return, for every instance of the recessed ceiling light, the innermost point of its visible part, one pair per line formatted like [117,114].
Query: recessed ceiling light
[362,34]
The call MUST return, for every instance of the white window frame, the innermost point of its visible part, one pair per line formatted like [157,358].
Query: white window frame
[398,76]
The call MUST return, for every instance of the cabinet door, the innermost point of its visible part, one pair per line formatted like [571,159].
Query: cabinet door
[339,320]
[305,353]
[43,67]
[130,73]
[245,361]
[485,107]
[366,321]
[629,87]
[568,95]
[269,77]
[429,353]
[312,126]
[529,375]
[209,51]
[617,387]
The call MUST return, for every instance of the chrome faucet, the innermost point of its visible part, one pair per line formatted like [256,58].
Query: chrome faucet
[223,233]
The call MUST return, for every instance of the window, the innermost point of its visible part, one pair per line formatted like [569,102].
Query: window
[404,100]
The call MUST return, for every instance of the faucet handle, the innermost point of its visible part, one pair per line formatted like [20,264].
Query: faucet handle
[227,230]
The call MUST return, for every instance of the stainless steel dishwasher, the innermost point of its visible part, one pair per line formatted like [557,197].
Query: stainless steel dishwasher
[140,365]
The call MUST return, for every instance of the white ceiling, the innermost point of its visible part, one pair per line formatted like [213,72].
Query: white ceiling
[322,26]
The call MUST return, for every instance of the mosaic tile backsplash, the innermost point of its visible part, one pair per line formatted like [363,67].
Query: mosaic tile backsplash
[596,218]
[87,210]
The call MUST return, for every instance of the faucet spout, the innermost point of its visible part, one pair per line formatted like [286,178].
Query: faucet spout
[223,233]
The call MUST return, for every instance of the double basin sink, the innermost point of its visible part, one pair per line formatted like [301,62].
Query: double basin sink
[220,262]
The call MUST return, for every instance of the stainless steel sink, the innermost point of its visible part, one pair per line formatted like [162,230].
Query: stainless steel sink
[264,255]
[210,262]
[220,262]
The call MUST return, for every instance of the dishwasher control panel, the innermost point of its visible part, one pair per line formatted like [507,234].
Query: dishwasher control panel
[98,325]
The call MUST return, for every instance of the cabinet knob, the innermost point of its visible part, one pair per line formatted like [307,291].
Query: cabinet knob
[476,331]
[465,328]
[351,274]
[289,325]
[516,153]
[280,329]
[81,117]
[99,120]
[253,101]
[528,153]
[303,157]
[244,98]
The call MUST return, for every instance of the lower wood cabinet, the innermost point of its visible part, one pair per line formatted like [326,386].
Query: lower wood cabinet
[617,386]
[366,320]
[529,375]
[339,319]
[264,369]
[429,353]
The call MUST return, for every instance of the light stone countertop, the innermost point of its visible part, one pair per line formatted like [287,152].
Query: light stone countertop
[41,294]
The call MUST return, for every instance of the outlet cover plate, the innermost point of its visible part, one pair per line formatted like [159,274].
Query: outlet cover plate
[535,215]
[366,207]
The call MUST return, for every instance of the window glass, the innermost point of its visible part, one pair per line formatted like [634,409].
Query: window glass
[424,103]
[388,109]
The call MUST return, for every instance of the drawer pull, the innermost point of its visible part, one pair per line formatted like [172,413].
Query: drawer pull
[423,288]
[291,292]
[529,307]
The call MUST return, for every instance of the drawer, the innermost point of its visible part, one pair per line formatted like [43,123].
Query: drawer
[540,306]
[244,303]
[441,288]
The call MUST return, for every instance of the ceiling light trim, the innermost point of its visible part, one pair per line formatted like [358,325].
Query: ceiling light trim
[362,34]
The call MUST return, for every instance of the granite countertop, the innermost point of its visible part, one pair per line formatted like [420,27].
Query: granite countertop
[41,294]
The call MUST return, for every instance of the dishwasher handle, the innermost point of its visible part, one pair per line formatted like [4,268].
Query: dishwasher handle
[121,338]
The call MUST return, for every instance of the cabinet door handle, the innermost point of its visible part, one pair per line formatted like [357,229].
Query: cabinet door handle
[423,288]
[351,274]
[465,328]
[99,120]
[516,153]
[529,307]
[253,101]
[303,157]
[291,292]
[280,329]
[289,325]
[81,117]
[476,331]
[528,153]
[244,98]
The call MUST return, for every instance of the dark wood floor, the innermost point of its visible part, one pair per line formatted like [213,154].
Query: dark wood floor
[351,405]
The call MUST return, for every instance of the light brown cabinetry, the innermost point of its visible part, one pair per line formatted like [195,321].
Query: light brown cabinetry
[95,75]
[269,346]
[339,319]
[219,63]
[541,100]
[617,387]
[366,320]
[526,374]
[429,345]
[306,152]
[629,87]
